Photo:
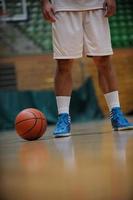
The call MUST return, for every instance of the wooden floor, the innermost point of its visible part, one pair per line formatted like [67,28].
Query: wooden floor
[95,163]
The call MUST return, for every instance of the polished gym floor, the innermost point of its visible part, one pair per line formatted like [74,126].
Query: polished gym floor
[95,163]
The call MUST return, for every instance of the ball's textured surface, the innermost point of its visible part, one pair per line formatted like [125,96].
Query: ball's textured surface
[30,124]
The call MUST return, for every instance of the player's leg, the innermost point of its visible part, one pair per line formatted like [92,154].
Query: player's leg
[63,77]
[67,45]
[108,84]
[63,90]
[97,43]
[106,74]
[107,80]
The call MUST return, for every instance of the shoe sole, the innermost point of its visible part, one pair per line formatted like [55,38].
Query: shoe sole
[62,135]
[123,128]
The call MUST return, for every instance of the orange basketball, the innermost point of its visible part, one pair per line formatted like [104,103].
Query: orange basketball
[30,124]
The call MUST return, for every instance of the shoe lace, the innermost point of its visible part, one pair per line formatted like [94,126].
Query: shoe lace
[63,120]
[118,116]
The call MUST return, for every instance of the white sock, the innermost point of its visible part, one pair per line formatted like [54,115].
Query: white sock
[63,103]
[112,99]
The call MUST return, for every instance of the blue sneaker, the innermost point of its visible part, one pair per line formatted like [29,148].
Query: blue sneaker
[63,126]
[119,122]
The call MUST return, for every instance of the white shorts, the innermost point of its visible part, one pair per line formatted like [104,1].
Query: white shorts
[81,33]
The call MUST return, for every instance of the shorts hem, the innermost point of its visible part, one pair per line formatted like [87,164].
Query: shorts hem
[67,57]
[100,54]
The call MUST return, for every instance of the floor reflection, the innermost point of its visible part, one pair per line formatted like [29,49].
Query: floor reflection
[65,147]
[33,156]
[121,139]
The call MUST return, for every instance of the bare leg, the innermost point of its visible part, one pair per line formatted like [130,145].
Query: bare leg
[63,78]
[106,74]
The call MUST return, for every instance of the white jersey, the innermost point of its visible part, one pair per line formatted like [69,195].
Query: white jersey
[77,5]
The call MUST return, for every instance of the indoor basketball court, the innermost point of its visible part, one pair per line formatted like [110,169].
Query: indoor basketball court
[94,162]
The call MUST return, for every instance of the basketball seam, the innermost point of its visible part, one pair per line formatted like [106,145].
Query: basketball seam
[40,128]
[41,121]
[29,119]
[32,126]
[34,114]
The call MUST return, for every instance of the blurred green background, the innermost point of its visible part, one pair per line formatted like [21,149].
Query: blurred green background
[33,34]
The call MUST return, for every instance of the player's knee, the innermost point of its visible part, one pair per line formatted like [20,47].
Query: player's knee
[102,62]
[64,65]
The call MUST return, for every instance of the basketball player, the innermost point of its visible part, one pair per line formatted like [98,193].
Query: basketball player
[80,27]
